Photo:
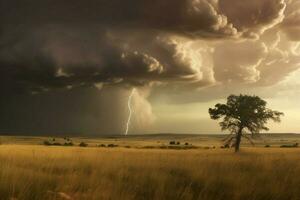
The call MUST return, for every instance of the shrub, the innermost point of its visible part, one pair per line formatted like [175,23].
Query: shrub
[101,145]
[82,144]
[267,146]
[172,142]
[289,145]
[47,143]
[112,145]
[68,144]
[56,144]
[226,146]
[186,144]
[178,143]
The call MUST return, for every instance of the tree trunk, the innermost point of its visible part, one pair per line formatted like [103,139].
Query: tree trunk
[238,139]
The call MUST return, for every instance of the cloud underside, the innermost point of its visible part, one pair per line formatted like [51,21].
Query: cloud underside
[197,42]
[172,46]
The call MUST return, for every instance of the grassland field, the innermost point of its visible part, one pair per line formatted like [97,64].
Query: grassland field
[144,167]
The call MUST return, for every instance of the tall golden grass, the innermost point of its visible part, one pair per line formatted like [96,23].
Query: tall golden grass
[38,172]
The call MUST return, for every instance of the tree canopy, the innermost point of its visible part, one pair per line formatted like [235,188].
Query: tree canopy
[244,112]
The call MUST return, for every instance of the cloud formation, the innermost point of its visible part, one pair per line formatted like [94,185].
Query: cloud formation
[81,40]
[291,24]
[175,47]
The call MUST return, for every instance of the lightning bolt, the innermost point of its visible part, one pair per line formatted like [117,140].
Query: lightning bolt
[130,111]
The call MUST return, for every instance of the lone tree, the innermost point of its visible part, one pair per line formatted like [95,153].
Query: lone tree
[243,113]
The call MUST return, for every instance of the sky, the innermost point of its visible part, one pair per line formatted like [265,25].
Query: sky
[69,67]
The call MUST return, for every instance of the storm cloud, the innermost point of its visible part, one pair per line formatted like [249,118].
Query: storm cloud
[163,48]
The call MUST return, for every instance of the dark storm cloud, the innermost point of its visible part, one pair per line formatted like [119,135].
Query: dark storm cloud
[184,16]
[199,18]
[55,44]
[59,47]
[49,59]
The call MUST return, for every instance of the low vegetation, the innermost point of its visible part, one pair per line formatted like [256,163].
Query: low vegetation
[289,145]
[54,142]
[83,144]
[31,172]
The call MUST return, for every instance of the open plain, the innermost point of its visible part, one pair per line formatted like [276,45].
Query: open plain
[148,167]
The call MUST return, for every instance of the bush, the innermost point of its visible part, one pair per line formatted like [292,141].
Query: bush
[267,146]
[289,145]
[47,143]
[101,145]
[226,146]
[186,144]
[82,144]
[68,144]
[112,145]
[174,143]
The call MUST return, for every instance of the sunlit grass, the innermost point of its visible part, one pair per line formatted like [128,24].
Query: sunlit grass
[40,172]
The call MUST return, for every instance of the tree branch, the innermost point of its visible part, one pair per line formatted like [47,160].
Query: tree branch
[230,135]
[249,139]
[229,140]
